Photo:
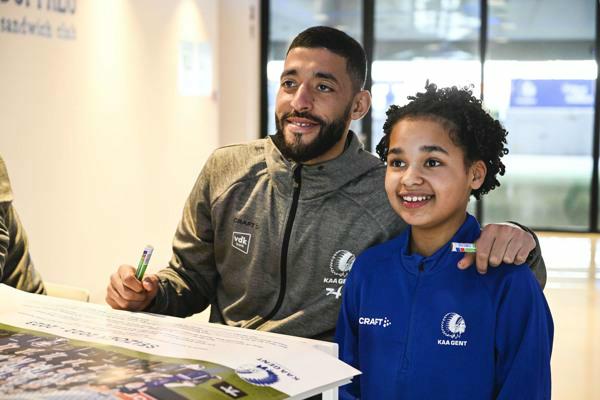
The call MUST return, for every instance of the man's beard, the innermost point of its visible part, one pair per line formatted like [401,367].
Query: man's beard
[328,136]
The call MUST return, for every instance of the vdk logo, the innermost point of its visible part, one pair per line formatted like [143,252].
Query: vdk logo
[241,241]
[230,390]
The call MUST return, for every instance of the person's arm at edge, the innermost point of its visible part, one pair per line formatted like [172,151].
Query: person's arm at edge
[18,270]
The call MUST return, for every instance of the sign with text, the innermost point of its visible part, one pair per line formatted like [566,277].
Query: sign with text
[38,18]
[552,93]
[56,348]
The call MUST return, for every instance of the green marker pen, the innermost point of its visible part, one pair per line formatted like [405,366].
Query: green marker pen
[144,260]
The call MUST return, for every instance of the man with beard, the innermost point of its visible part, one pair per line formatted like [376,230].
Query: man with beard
[271,228]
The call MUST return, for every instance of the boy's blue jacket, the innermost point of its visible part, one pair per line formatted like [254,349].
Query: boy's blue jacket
[420,328]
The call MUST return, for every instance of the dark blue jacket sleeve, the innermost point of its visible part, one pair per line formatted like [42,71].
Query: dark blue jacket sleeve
[524,334]
[347,335]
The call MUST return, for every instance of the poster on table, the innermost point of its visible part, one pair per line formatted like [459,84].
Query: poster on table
[54,348]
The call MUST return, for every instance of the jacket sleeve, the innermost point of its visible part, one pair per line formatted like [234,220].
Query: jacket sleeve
[16,267]
[188,284]
[535,259]
[347,336]
[524,335]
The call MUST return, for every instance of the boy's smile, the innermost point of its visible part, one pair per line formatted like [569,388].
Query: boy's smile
[414,200]
[427,181]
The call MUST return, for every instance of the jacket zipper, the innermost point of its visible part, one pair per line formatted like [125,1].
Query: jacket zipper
[286,243]
[409,335]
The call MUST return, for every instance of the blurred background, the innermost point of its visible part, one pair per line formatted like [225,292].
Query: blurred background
[533,62]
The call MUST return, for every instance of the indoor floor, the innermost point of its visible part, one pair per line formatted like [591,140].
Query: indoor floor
[573,292]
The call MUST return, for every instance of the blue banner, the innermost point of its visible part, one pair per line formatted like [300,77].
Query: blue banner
[552,93]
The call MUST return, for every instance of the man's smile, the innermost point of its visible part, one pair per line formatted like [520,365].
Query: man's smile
[301,125]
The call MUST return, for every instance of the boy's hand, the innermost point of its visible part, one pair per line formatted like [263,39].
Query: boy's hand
[499,243]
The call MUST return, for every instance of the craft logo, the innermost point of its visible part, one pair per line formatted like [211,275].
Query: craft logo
[375,321]
[241,241]
[453,326]
[257,374]
[242,221]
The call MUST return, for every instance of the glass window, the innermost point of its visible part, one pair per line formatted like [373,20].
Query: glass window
[420,40]
[290,17]
[540,75]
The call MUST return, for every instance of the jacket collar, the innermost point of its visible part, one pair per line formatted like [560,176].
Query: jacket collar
[467,233]
[323,178]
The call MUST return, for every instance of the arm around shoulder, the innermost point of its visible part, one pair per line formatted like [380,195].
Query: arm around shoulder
[535,259]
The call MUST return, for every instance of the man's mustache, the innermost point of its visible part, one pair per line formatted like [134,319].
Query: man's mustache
[307,115]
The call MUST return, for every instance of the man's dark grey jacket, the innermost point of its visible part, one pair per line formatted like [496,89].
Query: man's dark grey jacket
[268,242]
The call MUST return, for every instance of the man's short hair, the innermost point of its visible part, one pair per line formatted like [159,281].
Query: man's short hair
[338,43]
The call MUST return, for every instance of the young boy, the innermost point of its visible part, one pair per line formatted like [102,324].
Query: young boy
[414,324]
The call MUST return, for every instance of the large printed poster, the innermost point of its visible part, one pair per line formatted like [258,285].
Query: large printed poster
[60,349]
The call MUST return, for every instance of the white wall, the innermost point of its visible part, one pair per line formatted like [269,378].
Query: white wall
[101,148]
[239,69]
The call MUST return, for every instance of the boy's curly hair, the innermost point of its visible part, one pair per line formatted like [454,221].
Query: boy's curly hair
[470,127]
